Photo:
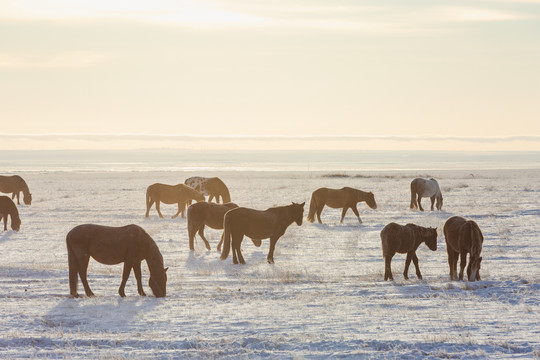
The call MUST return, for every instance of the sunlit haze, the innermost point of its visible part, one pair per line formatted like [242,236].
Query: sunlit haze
[392,75]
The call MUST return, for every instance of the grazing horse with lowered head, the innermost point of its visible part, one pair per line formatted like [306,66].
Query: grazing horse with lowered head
[8,207]
[463,236]
[211,187]
[15,184]
[401,239]
[170,194]
[129,244]
[256,224]
[203,214]
[344,198]
[425,188]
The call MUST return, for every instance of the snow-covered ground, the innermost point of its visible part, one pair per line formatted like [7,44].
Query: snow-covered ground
[324,296]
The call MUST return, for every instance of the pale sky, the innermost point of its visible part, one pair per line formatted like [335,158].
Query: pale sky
[429,74]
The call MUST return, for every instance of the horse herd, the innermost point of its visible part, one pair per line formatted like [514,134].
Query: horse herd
[131,244]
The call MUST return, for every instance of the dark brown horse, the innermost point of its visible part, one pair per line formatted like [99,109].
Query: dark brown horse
[110,246]
[205,213]
[8,207]
[170,194]
[425,188]
[15,184]
[463,236]
[401,239]
[256,224]
[344,198]
[211,187]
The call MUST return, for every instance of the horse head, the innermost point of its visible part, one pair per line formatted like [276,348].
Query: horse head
[158,283]
[430,237]
[298,212]
[371,200]
[27,199]
[473,269]
[15,223]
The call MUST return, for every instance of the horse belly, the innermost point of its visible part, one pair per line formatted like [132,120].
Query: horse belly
[335,203]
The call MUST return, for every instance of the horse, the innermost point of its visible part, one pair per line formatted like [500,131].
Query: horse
[463,236]
[344,198]
[257,224]
[405,240]
[211,187]
[425,188]
[129,244]
[15,184]
[170,194]
[206,213]
[8,207]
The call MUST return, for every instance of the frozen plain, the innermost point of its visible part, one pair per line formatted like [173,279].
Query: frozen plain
[324,296]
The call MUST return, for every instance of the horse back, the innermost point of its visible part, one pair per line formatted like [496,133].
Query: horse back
[8,206]
[451,229]
[252,223]
[11,183]
[334,198]
[108,245]
[396,238]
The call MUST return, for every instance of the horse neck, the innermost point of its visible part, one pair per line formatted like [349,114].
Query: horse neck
[476,240]
[25,189]
[154,259]
[12,210]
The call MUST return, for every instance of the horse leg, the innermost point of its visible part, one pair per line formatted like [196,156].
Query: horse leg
[234,247]
[201,233]
[18,194]
[415,261]
[451,254]
[210,198]
[454,265]
[407,263]
[432,202]
[148,207]
[343,212]
[388,268]
[125,276]
[270,257]
[420,203]
[319,211]
[4,216]
[462,264]
[236,244]
[158,209]
[414,204]
[355,211]
[181,207]
[217,199]
[137,272]
[83,273]
[220,241]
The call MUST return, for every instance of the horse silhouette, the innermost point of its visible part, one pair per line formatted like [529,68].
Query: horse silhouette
[257,224]
[15,184]
[463,237]
[401,239]
[129,244]
[8,207]
[212,187]
[170,194]
[425,188]
[344,198]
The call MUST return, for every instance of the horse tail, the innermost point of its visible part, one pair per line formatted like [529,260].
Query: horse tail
[148,200]
[413,195]
[312,208]
[192,231]
[226,238]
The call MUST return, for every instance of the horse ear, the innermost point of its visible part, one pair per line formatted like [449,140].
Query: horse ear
[165,270]
[304,203]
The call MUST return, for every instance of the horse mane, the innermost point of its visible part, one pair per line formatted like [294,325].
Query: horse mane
[225,195]
[25,189]
[155,258]
[476,238]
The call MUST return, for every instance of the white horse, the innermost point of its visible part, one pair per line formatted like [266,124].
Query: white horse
[425,188]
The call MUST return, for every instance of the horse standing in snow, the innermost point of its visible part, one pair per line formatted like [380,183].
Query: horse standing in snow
[203,214]
[170,194]
[425,188]
[344,198]
[401,239]
[463,236]
[257,224]
[8,207]
[211,187]
[15,184]
[110,246]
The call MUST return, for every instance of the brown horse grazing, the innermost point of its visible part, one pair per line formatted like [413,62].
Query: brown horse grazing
[15,184]
[345,198]
[170,194]
[211,187]
[205,213]
[110,246]
[425,188]
[463,236]
[405,240]
[256,224]
[8,207]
